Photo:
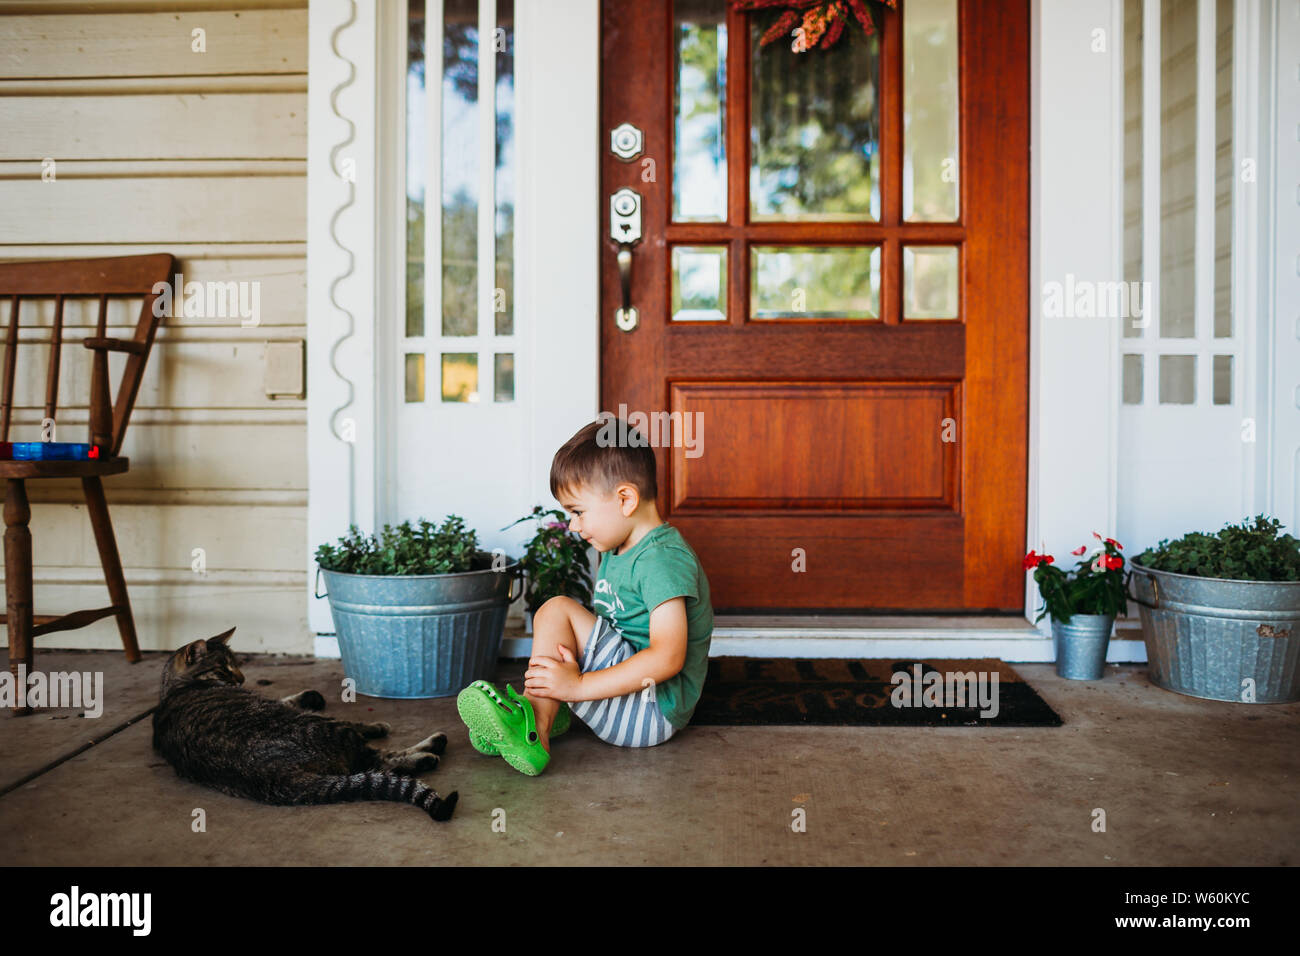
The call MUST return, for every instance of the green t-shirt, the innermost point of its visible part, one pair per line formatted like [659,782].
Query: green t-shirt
[660,567]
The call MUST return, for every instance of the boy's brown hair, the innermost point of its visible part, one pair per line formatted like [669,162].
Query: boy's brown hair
[602,455]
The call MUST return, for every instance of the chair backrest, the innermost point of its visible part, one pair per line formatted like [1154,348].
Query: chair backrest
[120,276]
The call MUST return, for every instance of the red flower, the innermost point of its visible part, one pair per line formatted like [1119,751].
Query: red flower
[1080,549]
[1114,562]
[1033,559]
[1115,543]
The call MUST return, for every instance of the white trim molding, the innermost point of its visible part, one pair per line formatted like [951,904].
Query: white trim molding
[1280,228]
[342,425]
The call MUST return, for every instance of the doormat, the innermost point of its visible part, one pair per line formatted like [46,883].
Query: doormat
[757,691]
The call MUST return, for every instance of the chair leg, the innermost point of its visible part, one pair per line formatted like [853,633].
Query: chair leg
[18,583]
[108,557]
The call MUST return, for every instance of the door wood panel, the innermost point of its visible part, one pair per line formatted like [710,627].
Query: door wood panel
[839,429]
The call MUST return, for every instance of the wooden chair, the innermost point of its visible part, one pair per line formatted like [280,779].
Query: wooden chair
[131,276]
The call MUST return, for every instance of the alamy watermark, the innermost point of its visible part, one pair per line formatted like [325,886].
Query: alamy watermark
[209,300]
[56,689]
[949,689]
[655,429]
[75,908]
[1086,299]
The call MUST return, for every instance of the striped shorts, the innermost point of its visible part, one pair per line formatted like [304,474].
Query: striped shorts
[633,720]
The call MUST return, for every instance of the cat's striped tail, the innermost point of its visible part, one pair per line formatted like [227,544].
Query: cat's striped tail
[376,785]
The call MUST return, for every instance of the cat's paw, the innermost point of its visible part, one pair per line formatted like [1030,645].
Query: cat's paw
[408,765]
[376,730]
[435,744]
[306,700]
[424,763]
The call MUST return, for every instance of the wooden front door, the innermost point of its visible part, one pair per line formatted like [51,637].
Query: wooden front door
[831,288]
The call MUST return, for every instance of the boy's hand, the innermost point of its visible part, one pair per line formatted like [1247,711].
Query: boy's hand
[559,680]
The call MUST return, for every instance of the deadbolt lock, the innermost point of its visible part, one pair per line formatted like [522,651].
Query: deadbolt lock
[626,142]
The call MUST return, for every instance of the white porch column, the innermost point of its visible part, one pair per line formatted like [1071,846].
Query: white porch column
[1077,180]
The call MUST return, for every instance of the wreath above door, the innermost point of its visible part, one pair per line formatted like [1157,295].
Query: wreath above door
[813,23]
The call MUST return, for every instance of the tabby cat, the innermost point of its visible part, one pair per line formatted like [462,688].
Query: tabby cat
[215,732]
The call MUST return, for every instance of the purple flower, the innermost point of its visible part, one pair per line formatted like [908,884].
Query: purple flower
[557,524]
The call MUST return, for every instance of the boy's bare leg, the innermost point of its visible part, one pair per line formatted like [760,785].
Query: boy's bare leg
[561,620]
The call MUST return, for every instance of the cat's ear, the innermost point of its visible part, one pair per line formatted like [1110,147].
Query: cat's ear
[195,650]
[222,638]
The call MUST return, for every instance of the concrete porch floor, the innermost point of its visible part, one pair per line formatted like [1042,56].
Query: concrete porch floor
[1182,782]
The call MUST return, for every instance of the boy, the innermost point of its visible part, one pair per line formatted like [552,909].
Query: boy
[632,672]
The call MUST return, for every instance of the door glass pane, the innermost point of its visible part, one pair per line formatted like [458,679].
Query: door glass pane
[1222,379]
[415,377]
[460,161]
[815,283]
[815,138]
[1133,264]
[1224,174]
[699,283]
[1177,379]
[416,113]
[930,282]
[699,108]
[1177,170]
[504,291]
[930,111]
[1132,379]
[459,377]
[504,377]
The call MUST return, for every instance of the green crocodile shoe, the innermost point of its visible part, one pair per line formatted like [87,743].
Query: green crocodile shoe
[509,725]
[484,745]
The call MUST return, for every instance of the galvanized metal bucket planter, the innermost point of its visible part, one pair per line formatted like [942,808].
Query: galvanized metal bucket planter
[420,635]
[1220,639]
[1081,645]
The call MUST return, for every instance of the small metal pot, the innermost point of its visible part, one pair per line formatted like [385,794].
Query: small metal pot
[1081,645]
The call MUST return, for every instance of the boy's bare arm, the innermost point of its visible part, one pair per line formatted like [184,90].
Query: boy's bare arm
[663,659]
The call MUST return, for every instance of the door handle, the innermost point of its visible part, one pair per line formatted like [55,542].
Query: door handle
[625,230]
[626,317]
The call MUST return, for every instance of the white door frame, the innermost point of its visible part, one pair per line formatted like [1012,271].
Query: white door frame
[557,286]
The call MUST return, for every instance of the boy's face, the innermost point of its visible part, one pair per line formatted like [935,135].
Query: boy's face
[602,519]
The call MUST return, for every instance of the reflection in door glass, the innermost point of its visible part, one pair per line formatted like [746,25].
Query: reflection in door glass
[504,290]
[1133,264]
[1223,176]
[1178,380]
[699,109]
[415,376]
[416,111]
[815,283]
[460,159]
[459,377]
[930,111]
[503,372]
[1222,380]
[815,139]
[1178,161]
[930,282]
[699,284]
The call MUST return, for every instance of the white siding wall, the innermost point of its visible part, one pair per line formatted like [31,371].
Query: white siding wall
[160,148]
